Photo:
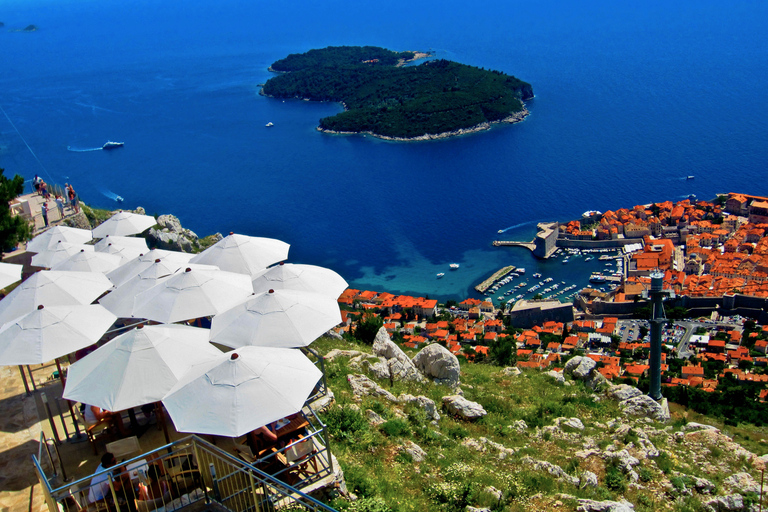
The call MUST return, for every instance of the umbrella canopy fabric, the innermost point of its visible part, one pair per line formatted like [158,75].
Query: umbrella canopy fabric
[124,223]
[52,288]
[192,293]
[243,254]
[120,300]
[309,278]
[89,261]
[142,262]
[50,238]
[138,367]
[241,391]
[48,333]
[127,247]
[58,253]
[9,273]
[277,318]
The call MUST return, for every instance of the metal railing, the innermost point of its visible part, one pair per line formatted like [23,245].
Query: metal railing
[321,389]
[173,476]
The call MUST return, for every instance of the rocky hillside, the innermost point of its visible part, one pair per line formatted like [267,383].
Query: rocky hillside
[422,432]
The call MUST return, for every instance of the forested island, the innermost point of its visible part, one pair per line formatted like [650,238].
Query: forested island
[438,98]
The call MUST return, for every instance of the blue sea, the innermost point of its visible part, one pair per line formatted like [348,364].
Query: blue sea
[630,99]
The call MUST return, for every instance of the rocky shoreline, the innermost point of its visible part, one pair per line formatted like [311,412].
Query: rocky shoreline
[511,119]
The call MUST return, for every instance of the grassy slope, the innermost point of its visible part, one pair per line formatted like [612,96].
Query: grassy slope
[453,475]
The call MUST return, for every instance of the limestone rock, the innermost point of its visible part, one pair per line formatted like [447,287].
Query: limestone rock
[422,402]
[558,376]
[579,367]
[494,492]
[362,386]
[552,469]
[643,405]
[333,354]
[437,362]
[415,451]
[695,427]
[78,220]
[380,369]
[574,423]
[734,502]
[374,418]
[475,509]
[624,461]
[169,222]
[588,479]
[334,335]
[400,366]
[604,506]
[511,371]
[519,425]
[463,408]
[140,210]
[623,392]
[742,483]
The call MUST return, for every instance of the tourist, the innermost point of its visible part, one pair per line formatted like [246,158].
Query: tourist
[93,415]
[155,488]
[60,206]
[73,199]
[36,183]
[44,190]
[45,213]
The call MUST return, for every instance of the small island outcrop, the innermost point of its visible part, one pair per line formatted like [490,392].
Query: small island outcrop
[382,97]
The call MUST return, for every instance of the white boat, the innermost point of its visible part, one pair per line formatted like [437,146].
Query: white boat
[520,270]
[270,124]
[111,145]
[441,274]
[537,274]
[454,266]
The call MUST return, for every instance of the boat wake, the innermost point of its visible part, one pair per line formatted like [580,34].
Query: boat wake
[111,195]
[516,226]
[82,150]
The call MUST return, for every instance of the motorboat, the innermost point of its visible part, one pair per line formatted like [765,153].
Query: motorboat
[111,145]
[270,124]
[441,274]
[454,266]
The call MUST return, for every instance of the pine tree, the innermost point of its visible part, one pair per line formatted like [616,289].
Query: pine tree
[13,229]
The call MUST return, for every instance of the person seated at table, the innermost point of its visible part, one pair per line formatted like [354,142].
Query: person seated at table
[260,439]
[93,415]
[155,487]
[100,490]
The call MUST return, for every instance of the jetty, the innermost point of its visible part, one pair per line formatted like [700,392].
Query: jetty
[542,246]
[497,276]
[509,243]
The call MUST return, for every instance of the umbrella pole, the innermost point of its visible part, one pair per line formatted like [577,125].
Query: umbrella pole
[69,404]
[161,418]
[24,378]
[31,378]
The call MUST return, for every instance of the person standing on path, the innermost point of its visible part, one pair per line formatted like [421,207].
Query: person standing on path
[45,213]
[73,199]
[60,206]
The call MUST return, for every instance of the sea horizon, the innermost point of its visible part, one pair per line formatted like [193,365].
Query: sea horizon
[629,101]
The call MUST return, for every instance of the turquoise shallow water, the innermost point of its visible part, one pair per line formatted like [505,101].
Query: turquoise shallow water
[629,101]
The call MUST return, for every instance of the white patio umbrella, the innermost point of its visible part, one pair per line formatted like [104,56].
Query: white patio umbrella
[192,293]
[127,247]
[124,223]
[122,241]
[58,253]
[242,390]
[243,254]
[120,300]
[9,273]
[290,276]
[52,288]
[50,238]
[146,260]
[89,261]
[138,367]
[277,318]
[51,332]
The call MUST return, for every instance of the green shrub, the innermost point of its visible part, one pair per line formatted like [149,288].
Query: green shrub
[375,504]
[645,474]
[664,463]
[395,428]
[456,431]
[346,423]
[614,479]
